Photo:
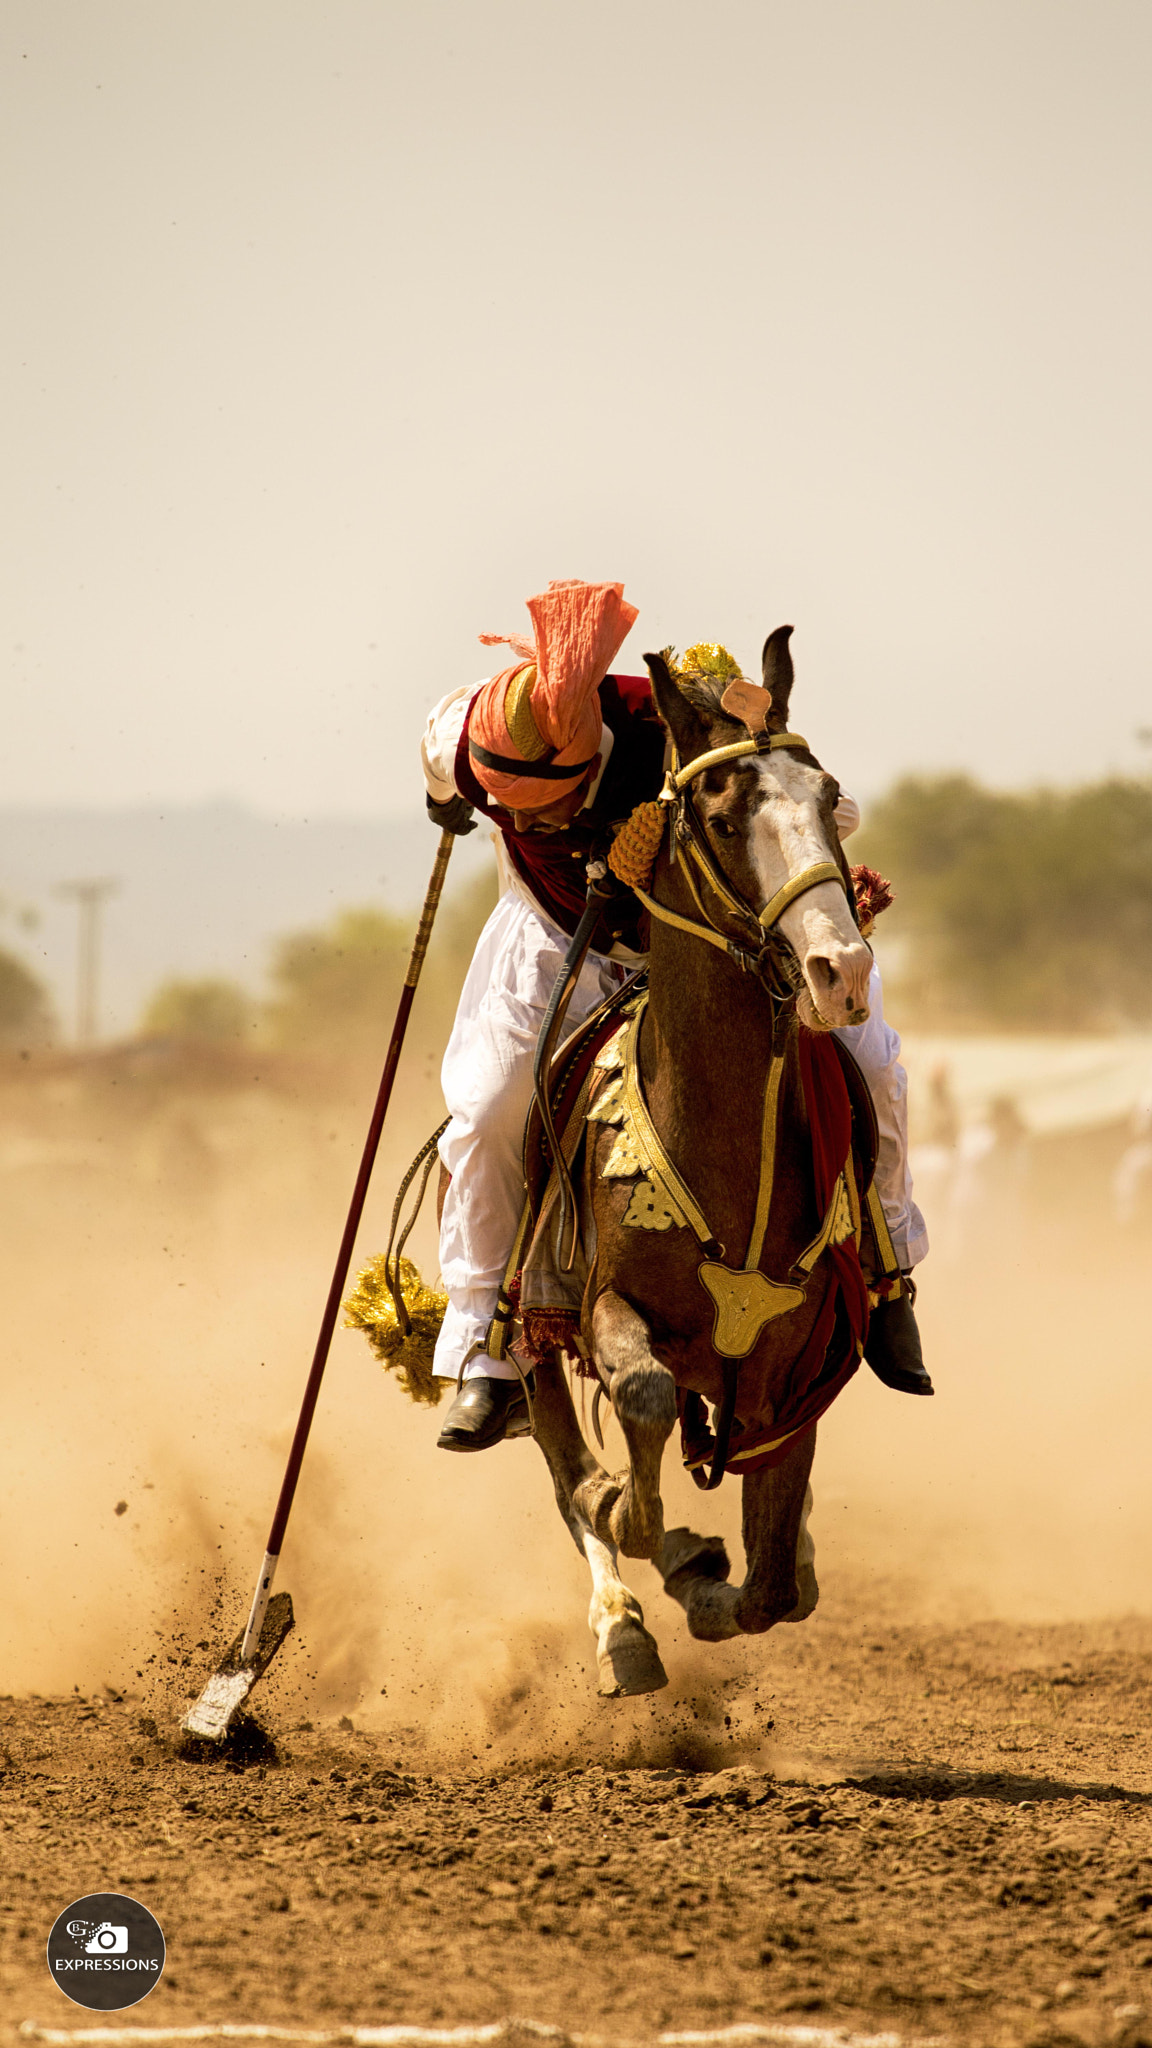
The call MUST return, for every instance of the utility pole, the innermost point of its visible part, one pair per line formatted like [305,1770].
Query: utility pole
[89,897]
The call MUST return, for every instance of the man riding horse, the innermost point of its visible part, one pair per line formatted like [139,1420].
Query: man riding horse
[558,753]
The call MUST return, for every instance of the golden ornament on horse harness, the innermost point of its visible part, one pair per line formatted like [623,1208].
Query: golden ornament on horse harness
[745,1299]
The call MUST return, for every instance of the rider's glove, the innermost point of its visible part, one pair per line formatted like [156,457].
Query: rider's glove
[454,816]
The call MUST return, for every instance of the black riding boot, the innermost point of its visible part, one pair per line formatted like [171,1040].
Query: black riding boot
[482,1414]
[892,1348]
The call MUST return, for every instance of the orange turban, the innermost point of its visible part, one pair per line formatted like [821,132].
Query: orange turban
[535,728]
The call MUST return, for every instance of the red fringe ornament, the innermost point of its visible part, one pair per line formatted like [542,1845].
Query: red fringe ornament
[873,895]
[551,1329]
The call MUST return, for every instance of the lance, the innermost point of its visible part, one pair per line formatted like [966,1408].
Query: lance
[270,1617]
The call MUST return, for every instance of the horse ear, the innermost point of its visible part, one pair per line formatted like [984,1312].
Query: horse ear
[683,721]
[776,668]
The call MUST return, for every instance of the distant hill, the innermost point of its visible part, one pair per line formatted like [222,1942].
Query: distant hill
[204,889]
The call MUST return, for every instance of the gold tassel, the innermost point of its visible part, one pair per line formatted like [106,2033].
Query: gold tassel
[706,658]
[370,1308]
[632,854]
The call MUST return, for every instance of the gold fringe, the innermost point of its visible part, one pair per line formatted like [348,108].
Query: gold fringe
[370,1308]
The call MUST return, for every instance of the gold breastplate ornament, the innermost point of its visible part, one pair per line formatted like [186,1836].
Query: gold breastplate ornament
[745,1299]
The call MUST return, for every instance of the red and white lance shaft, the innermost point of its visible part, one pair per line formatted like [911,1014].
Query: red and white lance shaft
[344,1256]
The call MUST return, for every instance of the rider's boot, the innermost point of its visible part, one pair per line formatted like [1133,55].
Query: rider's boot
[484,1412]
[892,1348]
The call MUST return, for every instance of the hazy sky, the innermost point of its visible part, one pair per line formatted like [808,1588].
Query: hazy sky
[333,330]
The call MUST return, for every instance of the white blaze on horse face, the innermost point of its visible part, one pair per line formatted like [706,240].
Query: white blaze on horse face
[787,835]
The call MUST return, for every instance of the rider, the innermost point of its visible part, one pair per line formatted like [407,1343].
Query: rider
[553,750]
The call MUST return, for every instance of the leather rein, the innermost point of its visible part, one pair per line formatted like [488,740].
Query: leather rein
[688,843]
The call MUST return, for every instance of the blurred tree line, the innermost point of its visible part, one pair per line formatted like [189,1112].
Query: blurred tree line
[26,1015]
[1015,909]
[335,989]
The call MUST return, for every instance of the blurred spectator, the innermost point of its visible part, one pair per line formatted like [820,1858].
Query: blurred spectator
[1132,1180]
[942,1120]
[988,1190]
[933,1157]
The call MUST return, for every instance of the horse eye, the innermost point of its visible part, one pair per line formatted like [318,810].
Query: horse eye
[722,828]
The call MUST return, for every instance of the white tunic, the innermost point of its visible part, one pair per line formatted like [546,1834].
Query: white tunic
[487,1077]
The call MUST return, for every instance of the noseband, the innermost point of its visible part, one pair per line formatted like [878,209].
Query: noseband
[689,844]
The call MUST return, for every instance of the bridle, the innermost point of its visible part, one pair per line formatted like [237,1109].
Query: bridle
[689,846]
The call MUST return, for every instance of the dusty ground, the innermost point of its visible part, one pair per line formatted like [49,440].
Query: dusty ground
[977,1863]
[925,1812]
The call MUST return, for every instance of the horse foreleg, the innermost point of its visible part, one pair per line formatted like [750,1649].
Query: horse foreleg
[626,1655]
[780,1581]
[805,1565]
[629,1512]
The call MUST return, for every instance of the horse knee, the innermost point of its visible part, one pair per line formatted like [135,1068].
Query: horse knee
[645,1396]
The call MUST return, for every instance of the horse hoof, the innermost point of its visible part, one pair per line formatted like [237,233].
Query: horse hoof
[629,1662]
[704,1557]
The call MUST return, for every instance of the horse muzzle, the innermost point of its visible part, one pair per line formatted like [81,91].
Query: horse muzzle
[837,978]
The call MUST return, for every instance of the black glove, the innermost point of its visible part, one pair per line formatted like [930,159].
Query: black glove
[454,816]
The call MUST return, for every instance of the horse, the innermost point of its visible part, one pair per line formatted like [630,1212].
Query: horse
[724,1265]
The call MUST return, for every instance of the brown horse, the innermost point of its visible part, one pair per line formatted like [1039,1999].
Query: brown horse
[721,1272]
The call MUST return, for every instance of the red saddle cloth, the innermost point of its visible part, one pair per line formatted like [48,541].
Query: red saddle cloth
[842,1129]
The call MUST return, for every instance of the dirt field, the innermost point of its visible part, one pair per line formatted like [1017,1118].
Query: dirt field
[976,1861]
[924,1814]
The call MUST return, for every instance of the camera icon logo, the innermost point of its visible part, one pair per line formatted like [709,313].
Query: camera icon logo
[108,1940]
[106,1951]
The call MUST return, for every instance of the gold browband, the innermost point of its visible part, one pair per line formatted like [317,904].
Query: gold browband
[675,783]
[679,778]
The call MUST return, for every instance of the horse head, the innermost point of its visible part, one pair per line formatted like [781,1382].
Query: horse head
[765,819]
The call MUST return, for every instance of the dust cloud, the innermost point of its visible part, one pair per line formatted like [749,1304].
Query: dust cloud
[170,1239]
